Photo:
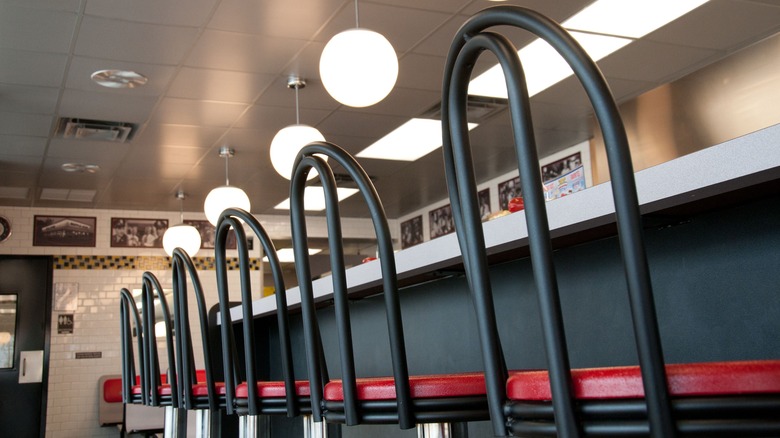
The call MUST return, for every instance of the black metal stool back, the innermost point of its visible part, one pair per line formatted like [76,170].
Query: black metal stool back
[184,268]
[128,311]
[151,289]
[231,219]
[472,39]
[310,158]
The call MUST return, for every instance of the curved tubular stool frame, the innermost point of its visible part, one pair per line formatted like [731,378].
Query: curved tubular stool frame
[305,161]
[433,402]
[168,394]
[127,307]
[720,398]
[208,406]
[470,41]
[295,402]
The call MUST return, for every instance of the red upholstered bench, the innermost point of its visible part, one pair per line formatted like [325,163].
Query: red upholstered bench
[111,411]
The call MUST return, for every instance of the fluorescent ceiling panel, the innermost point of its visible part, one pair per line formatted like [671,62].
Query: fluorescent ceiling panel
[314,198]
[543,66]
[409,142]
[286,255]
[14,192]
[630,18]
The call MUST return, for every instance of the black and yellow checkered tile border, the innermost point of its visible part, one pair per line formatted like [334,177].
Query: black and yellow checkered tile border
[144,263]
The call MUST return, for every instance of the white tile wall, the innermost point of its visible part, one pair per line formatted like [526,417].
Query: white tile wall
[72,392]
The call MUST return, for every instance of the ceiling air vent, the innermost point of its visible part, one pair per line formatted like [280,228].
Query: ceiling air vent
[478,109]
[98,130]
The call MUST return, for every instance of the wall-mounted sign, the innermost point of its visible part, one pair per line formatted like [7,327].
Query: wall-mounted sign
[65,324]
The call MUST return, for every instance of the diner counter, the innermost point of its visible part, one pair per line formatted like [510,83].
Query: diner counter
[740,167]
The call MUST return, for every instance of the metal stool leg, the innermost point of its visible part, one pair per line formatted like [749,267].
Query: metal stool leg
[313,429]
[253,426]
[175,422]
[434,430]
[206,423]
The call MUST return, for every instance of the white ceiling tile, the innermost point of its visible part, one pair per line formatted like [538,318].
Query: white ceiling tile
[220,85]
[298,20]
[20,163]
[138,42]
[153,135]
[405,27]
[59,5]
[28,99]
[196,112]
[106,105]
[32,68]
[33,29]
[35,125]
[668,61]
[170,12]
[722,25]
[88,152]
[22,145]
[243,52]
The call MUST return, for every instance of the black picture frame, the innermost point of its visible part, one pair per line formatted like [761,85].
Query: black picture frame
[64,231]
[411,232]
[440,221]
[507,190]
[137,233]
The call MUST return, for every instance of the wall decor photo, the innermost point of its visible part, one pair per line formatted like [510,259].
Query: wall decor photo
[440,221]
[411,232]
[137,233]
[563,177]
[483,197]
[567,171]
[507,190]
[208,233]
[64,231]
[66,296]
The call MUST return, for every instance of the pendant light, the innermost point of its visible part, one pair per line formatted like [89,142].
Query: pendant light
[358,67]
[224,197]
[290,140]
[181,236]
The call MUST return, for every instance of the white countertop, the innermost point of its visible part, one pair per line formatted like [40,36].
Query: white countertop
[743,162]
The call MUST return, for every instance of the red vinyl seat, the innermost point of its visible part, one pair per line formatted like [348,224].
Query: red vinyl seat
[684,380]
[421,387]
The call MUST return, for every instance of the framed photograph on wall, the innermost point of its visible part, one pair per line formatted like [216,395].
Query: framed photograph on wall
[484,203]
[208,233]
[507,190]
[440,221]
[137,233]
[64,231]
[566,172]
[411,232]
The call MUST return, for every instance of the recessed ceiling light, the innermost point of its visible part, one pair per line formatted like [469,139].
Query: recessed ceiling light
[314,198]
[610,18]
[629,18]
[410,141]
[286,255]
[119,78]
[80,168]
[543,66]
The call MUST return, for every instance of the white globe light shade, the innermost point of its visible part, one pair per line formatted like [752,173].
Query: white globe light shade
[286,145]
[222,198]
[182,236]
[358,67]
